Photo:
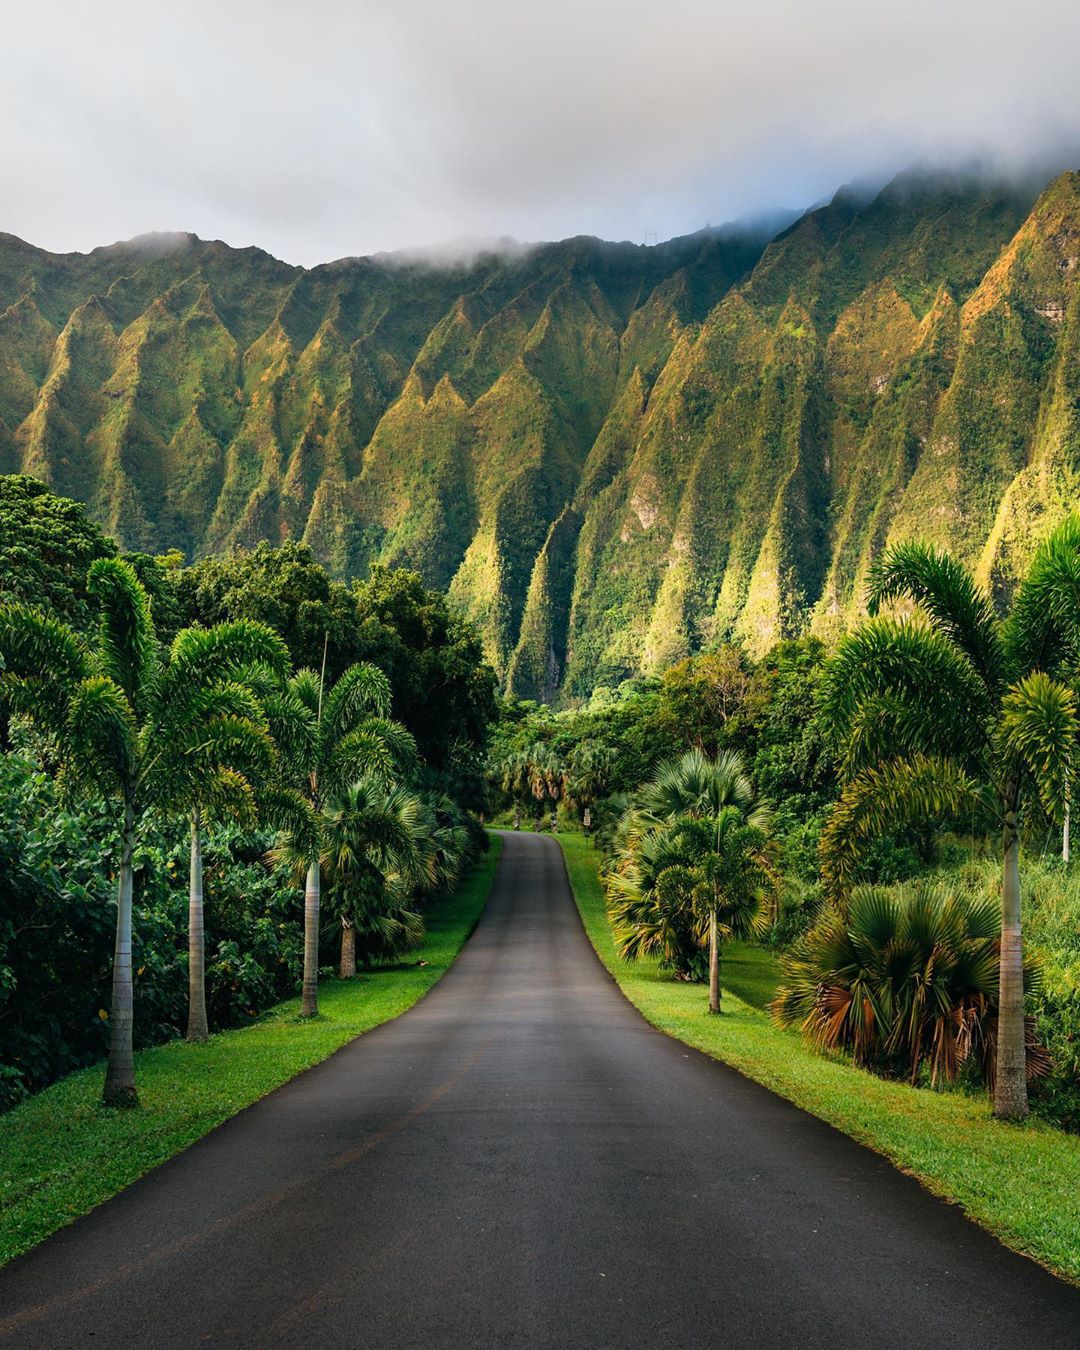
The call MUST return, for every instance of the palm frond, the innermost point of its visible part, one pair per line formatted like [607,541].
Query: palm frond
[1039,728]
[1042,631]
[948,595]
[374,747]
[292,725]
[896,793]
[361,692]
[902,680]
[101,737]
[127,645]
[199,655]
[42,660]
[298,823]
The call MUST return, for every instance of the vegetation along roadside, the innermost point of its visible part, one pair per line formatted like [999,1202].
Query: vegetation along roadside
[1022,1183]
[63,1152]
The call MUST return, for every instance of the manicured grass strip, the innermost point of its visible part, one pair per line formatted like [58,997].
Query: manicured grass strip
[61,1153]
[750,973]
[1020,1181]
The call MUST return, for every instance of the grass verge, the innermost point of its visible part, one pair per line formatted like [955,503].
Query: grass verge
[1020,1182]
[62,1153]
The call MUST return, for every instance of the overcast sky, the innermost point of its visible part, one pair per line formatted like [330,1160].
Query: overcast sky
[324,128]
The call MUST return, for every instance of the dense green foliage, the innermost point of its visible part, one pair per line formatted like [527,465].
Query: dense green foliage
[60,1154]
[1022,1184]
[953,711]
[611,456]
[441,688]
[56,931]
[131,746]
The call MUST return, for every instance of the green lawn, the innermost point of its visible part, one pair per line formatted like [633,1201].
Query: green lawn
[1021,1182]
[61,1153]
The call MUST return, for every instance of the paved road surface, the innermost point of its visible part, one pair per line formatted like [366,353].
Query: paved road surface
[522,1161]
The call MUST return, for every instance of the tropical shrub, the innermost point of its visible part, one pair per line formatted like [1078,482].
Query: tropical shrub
[649,917]
[953,712]
[906,979]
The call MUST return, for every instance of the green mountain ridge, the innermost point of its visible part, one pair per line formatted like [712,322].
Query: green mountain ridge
[609,454]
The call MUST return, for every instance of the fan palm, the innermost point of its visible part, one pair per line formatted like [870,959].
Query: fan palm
[330,739]
[953,711]
[706,789]
[901,973]
[129,723]
[589,770]
[651,919]
[375,854]
[545,776]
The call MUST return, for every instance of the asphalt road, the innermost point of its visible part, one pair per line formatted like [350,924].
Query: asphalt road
[521,1161]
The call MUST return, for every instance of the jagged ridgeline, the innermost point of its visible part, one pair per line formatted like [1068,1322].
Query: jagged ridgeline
[611,455]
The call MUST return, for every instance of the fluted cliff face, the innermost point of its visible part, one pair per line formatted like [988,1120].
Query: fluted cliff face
[609,454]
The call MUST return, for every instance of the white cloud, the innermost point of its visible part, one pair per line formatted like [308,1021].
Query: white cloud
[322,128]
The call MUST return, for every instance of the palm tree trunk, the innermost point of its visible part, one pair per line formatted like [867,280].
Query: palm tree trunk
[309,1000]
[1065,823]
[1010,1085]
[348,949]
[120,1073]
[517,816]
[714,963]
[197,1027]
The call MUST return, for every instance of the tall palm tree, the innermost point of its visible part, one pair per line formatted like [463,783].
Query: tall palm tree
[729,882]
[649,917]
[124,728]
[330,739]
[704,789]
[221,662]
[953,711]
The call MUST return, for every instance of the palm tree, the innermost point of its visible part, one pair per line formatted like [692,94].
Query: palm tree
[546,774]
[705,789]
[589,770]
[331,739]
[221,663]
[902,973]
[514,774]
[125,728]
[730,882]
[375,852]
[953,711]
[649,917]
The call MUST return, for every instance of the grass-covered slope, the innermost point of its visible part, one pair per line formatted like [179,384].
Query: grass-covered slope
[62,1153]
[1021,1182]
[608,453]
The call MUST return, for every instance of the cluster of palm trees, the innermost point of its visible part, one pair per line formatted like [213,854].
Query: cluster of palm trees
[940,710]
[538,775]
[216,726]
[693,866]
[950,711]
